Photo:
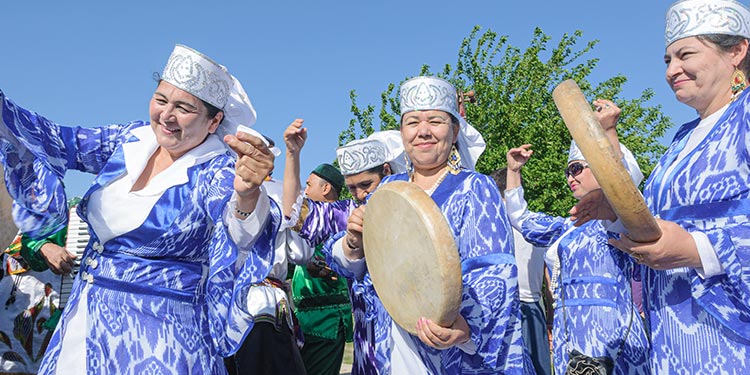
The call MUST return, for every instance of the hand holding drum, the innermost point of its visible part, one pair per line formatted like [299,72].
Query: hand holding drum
[624,197]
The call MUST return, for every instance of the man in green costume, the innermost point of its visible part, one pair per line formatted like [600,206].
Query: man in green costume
[321,298]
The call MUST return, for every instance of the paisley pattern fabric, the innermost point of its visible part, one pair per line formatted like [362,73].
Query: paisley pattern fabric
[163,298]
[473,207]
[702,326]
[594,311]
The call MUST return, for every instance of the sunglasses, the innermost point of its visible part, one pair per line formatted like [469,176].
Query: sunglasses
[574,169]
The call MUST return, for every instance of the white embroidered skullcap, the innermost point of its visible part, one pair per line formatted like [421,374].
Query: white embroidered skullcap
[197,74]
[627,158]
[379,148]
[687,18]
[433,93]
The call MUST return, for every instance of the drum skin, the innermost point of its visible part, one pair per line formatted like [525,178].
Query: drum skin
[411,256]
[624,197]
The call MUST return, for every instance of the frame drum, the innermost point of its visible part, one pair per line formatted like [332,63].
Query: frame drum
[411,256]
[624,197]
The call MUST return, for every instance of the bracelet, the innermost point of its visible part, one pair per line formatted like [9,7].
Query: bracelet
[241,213]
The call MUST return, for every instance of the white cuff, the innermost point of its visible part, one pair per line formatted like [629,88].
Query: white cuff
[291,221]
[614,226]
[709,259]
[243,232]
[469,347]
[357,266]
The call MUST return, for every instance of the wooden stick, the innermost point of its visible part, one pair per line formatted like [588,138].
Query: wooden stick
[624,197]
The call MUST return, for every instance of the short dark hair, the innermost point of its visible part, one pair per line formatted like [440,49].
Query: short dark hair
[501,179]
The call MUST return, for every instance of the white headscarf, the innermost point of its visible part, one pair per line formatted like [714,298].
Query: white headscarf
[687,18]
[197,74]
[379,148]
[433,93]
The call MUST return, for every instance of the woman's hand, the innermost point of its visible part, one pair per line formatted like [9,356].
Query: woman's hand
[518,156]
[676,248]
[59,260]
[353,246]
[443,337]
[295,136]
[607,113]
[593,206]
[254,164]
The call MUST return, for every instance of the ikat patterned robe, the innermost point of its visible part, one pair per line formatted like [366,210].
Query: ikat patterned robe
[702,326]
[164,298]
[475,212]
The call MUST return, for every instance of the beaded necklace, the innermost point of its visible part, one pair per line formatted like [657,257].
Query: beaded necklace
[435,185]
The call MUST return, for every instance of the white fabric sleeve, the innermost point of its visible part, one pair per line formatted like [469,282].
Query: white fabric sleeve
[357,266]
[709,259]
[244,231]
[291,221]
[469,347]
[297,250]
[516,206]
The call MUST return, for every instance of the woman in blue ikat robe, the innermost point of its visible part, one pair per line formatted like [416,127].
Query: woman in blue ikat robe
[179,226]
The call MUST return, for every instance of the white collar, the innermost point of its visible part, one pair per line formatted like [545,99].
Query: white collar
[137,154]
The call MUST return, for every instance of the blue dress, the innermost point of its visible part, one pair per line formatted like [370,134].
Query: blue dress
[165,297]
[490,304]
[594,311]
[702,325]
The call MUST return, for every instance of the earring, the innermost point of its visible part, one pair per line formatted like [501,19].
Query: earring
[454,160]
[739,82]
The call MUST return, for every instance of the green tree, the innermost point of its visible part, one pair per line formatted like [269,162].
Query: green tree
[515,106]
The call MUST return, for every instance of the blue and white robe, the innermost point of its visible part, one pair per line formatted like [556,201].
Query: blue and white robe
[475,212]
[701,325]
[168,296]
[594,310]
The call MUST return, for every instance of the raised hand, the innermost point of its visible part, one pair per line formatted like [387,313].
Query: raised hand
[518,156]
[295,136]
[607,112]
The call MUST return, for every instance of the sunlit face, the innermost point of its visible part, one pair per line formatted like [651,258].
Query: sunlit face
[428,137]
[699,74]
[583,182]
[179,119]
[361,184]
[315,188]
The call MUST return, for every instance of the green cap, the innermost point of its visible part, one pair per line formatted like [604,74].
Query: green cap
[331,174]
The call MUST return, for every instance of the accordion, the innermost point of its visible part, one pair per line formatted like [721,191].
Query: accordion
[77,239]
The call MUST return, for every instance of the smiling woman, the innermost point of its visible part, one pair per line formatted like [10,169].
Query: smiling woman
[485,336]
[180,229]
[695,276]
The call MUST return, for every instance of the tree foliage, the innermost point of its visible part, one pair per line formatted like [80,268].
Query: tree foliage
[515,106]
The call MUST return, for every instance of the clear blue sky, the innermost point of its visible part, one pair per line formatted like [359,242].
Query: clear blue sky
[90,63]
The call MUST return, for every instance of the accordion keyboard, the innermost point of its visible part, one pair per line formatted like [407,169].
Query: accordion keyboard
[78,238]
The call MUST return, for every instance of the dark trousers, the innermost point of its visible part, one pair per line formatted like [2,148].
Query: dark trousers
[267,350]
[323,356]
[535,336]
